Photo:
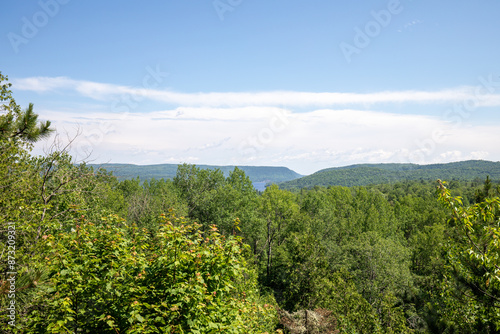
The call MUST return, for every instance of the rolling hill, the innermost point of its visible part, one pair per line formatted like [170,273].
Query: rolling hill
[259,175]
[366,174]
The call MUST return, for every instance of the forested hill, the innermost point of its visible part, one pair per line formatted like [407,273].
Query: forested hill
[366,174]
[168,171]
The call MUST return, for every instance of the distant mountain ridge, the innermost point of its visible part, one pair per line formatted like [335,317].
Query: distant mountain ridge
[257,174]
[366,174]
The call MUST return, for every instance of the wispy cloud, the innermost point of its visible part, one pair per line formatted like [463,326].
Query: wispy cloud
[412,23]
[306,131]
[104,92]
[409,25]
[305,141]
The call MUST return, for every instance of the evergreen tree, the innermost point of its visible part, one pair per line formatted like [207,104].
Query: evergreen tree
[17,124]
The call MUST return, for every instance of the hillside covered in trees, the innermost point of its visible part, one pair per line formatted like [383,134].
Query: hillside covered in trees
[264,174]
[204,252]
[368,174]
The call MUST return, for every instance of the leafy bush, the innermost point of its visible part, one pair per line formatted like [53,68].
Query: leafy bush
[111,278]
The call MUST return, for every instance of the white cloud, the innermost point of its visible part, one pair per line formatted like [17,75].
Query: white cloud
[409,25]
[265,128]
[104,92]
[43,84]
[255,135]
[412,23]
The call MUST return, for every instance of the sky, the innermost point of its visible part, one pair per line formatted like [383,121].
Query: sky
[306,85]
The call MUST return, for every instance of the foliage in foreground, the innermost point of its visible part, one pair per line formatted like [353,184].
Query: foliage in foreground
[108,278]
[470,290]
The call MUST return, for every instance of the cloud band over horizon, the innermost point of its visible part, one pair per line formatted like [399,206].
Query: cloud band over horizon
[265,128]
[486,94]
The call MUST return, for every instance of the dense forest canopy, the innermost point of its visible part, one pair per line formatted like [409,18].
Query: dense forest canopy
[204,252]
[368,174]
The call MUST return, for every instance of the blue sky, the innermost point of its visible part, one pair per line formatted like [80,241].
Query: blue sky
[307,85]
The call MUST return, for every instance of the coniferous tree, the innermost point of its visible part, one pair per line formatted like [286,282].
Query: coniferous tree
[17,124]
